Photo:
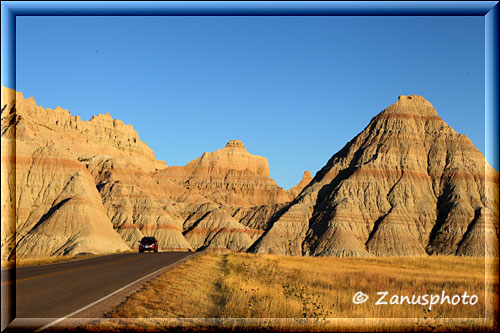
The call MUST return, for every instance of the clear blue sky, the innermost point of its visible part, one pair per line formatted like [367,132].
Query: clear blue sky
[293,89]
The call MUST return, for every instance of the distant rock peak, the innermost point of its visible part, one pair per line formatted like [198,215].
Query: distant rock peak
[233,156]
[411,105]
[411,98]
[235,144]
[407,185]
[306,179]
[105,115]
[103,119]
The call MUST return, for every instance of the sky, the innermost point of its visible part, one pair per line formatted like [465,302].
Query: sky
[294,89]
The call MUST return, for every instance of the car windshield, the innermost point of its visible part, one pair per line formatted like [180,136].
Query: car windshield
[148,240]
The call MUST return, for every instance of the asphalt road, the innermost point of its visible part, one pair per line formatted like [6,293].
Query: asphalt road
[56,290]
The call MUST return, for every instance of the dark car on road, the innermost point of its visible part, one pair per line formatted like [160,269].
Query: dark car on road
[148,244]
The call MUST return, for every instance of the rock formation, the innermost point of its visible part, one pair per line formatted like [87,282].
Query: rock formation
[306,179]
[228,176]
[408,184]
[103,176]
[50,199]
[216,228]
[196,206]
[136,203]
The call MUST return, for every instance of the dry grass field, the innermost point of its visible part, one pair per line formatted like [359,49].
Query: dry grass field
[256,287]
[45,260]
[42,260]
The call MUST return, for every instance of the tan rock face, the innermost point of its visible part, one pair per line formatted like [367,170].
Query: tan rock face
[229,176]
[136,204]
[8,174]
[74,186]
[101,134]
[218,229]
[51,200]
[50,197]
[406,185]
[233,156]
[306,179]
[205,204]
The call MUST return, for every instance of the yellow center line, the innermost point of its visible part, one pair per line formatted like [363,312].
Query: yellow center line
[68,270]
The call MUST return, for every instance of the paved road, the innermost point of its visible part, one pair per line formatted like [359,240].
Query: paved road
[54,291]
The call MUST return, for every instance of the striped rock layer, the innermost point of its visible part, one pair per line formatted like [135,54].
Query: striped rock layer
[407,185]
[50,204]
[306,179]
[71,186]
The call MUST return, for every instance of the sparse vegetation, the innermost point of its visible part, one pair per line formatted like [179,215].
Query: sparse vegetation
[44,260]
[266,286]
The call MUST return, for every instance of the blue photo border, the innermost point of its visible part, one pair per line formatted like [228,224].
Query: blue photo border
[488,9]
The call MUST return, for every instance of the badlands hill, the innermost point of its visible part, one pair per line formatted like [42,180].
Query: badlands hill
[229,176]
[71,186]
[306,179]
[407,185]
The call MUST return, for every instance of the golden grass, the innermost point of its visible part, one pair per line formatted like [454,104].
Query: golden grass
[44,260]
[257,287]
[189,290]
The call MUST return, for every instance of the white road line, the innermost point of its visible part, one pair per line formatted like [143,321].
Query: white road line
[105,297]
